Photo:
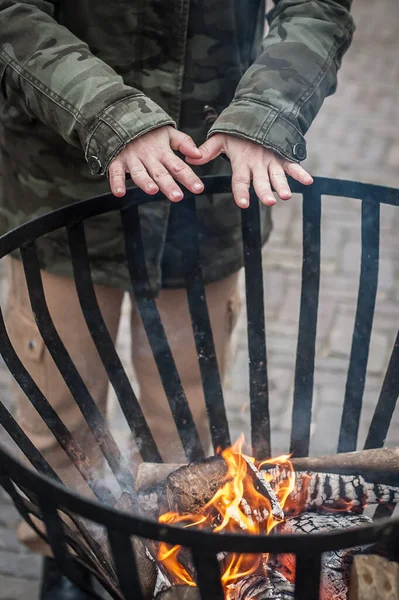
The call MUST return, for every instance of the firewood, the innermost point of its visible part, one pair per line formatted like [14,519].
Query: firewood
[180,592]
[335,564]
[191,487]
[374,578]
[315,490]
[271,586]
[373,465]
[380,464]
[146,567]
[264,488]
[151,475]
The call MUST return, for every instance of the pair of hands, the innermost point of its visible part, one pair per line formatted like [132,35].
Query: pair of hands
[154,166]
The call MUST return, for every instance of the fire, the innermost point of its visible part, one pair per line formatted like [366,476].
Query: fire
[236,507]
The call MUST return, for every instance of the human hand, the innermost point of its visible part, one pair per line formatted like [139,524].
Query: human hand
[250,160]
[154,167]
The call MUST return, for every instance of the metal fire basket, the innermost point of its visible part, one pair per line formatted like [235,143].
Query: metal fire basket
[39,494]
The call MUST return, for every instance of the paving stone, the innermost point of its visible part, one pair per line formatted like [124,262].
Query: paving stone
[16,588]
[20,564]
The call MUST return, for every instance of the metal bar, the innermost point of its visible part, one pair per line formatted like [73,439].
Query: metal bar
[57,540]
[50,417]
[25,445]
[357,371]
[125,565]
[307,579]
[258,378]
[183,220]
[105,346]
[213,185]
[66,367]
[386,404]
[208,574]
[156,336]
[305,355]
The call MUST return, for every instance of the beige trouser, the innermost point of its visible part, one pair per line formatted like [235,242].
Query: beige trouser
[65,310]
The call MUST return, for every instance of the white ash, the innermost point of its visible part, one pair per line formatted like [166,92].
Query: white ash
[330,489]
[336,564]
[270,586]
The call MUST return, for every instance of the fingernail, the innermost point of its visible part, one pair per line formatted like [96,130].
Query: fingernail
[119,190]
[176,194]
[198,187]
[243,202]
[151,187]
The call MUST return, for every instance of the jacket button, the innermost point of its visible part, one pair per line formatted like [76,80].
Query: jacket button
[210,115]
[299,151]
[94,165]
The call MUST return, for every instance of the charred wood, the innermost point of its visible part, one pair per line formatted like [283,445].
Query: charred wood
[191,487]
[379,465]
[270,586]
[317,490]
[336,564]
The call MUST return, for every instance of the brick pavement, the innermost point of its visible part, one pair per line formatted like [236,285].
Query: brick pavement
[354,137]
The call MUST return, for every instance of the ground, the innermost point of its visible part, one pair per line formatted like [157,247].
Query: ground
[354,137]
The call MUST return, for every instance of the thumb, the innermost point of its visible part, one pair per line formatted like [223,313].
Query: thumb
[183,143]
[209,150]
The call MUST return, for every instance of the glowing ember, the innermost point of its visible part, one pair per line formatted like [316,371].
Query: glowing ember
[238,505]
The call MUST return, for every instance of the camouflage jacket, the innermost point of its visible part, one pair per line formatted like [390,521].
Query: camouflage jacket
[79,80]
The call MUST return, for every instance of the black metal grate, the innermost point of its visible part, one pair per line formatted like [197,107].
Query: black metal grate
[43,495]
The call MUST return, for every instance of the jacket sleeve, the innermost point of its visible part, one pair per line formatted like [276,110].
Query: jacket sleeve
[281,93]
[48,73]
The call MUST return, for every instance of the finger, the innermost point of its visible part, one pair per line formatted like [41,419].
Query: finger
[183,173]
[279,180]
[262,186]
[141,178]
[183,143]
[209,150]
[240,182]
[297,172]
[117,178]
[164,180]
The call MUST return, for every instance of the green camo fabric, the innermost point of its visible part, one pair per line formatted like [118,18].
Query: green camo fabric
[82,79]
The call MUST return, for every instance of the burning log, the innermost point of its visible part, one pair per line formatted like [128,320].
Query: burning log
[380,464]
[374,578]
[336,564]
[318,490]
[264,488]
[191,487]
[271,586]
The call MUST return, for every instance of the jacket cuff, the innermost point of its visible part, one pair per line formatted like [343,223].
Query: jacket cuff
[119,124]
[264,125]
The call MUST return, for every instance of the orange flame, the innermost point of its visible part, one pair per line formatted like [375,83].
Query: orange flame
[237,506]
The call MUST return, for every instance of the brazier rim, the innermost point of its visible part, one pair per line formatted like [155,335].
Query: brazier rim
[60,498]
[83,209]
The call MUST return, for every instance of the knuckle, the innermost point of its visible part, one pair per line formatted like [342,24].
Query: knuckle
[116,173]
[179,167]
[137,172]
[241,179]
[160,172]
[277,174]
